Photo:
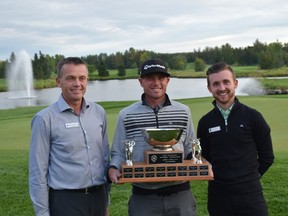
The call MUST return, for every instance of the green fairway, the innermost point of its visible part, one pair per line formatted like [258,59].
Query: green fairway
[14,150]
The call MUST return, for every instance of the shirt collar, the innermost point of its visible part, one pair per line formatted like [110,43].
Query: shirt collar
[225,113]
[63,105]
[166,102]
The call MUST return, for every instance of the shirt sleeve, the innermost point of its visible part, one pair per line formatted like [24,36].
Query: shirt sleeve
[106,145]
[264,144]
[118,148]
[189,137]
[38,166]
[201,134]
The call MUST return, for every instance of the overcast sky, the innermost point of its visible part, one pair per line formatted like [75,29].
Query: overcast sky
[80,28]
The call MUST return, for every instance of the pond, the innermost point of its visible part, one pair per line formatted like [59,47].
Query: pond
[130,89]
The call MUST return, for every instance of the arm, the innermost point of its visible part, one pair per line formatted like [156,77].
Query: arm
[38,166]
[264,144]
[203,140]
[105,144]
[189,137]
[118,150]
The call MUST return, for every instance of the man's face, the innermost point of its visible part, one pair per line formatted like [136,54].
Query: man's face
[73,82]
[154,86]
[222,86]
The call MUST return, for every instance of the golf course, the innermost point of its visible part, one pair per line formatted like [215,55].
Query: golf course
[15,140]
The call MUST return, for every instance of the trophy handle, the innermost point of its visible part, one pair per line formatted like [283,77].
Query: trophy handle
[129,144]
[196,151]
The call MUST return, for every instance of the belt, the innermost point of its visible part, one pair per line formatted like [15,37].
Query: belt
[83,190]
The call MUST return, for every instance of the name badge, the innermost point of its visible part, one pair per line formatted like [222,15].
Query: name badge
[72,125]
[214,129]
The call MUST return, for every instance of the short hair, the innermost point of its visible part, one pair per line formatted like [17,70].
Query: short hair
[218,67]
[69,60]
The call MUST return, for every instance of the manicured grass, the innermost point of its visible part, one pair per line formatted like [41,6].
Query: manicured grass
[14,147]
[275,83]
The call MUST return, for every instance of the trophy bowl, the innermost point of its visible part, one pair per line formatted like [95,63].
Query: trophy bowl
[162,139]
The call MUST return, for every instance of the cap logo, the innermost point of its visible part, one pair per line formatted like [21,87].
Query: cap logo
[152,66]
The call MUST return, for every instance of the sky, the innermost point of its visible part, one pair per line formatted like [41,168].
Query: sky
[81,28]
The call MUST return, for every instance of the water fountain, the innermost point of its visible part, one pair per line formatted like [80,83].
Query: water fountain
[20,77]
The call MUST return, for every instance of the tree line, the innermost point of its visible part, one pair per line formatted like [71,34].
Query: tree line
[266,56]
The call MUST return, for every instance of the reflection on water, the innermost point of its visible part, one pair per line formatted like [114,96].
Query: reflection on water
[125,90]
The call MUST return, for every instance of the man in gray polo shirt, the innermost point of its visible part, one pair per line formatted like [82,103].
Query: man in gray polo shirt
[154,110]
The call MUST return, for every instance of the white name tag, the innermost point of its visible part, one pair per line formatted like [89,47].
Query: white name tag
[72,125]
[214,129]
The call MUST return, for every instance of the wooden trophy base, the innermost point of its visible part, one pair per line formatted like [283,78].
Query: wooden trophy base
[186,171]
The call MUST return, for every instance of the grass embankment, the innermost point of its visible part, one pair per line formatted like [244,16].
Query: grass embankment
[14,148]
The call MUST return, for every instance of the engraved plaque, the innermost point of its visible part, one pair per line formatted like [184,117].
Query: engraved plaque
[171,168]
[204,173]
[186,171]
[139,175]
[193,173]
[182,167]
[149,169]
[160,174]
[150,175]
[182,173]
[162,168]
[127,170]
[203,167]
[139,169]
[193,167]
[162,157]
[171,174]
[128,175]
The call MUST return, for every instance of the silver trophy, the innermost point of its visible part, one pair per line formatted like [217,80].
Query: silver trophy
[196,151]
[162,139]
[129,144]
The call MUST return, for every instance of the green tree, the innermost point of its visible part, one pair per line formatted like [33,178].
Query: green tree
[91,59]
[145,55]
[130,58]
[178,62]
[228,54]
[119,59]
[57,59]
[199,64]
[2,69]
[259,46]
[102,69]
[247,56]
[285,50]
[277,54]
[37,72]
[121,70]
[265,60]
[8,64]
[43,66]
[50,66]
[210,55]
[91,68]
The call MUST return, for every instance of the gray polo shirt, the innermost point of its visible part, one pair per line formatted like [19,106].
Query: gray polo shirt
[139,115]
